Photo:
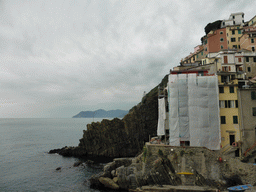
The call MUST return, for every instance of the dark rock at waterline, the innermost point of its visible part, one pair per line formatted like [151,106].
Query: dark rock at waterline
[58,168]
[90,162]
[95,183]
[108,183]
[76,164]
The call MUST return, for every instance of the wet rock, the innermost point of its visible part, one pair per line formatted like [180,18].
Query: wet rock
[94,181]
[115,179]
[108,183]
[58,168]
[76,164]
[113,173]
[89,162]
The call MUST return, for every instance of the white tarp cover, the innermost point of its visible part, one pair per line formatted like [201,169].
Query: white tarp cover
[194,110]
[161,117]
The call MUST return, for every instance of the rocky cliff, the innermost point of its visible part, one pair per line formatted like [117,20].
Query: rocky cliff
[120,138]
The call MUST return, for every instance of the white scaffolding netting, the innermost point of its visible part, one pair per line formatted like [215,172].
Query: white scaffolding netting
[194,110]
[161,117]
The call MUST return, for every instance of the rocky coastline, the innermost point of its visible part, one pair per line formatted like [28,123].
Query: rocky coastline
[170,168]
[135,166]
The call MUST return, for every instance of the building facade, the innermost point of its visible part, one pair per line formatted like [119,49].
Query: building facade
[194,111]
[247,110]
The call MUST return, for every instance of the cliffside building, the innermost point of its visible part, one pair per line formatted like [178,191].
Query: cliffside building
[248,39]
[234,19]
[194,110]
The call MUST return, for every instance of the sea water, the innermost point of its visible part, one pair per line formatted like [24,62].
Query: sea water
[25,164]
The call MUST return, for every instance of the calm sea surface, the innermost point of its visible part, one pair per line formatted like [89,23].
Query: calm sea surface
[25,164]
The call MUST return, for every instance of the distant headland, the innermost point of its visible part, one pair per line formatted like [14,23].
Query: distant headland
[101,113]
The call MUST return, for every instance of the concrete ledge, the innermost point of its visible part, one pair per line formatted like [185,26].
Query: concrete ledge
[170,188]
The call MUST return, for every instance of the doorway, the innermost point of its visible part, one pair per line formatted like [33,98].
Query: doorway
[231,139]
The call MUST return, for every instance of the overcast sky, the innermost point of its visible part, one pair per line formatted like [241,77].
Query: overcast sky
[62,57]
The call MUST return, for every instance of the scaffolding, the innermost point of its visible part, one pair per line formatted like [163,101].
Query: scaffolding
[194,110]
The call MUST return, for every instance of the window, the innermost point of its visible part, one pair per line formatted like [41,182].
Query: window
[253,49]
[202,53]
[254,111]
[223,119]
[232,104]
[231,89]
[233,39]
[249,69]
[221,89]
[234,46]
[224,78]
[223,23]
[254,59]
[225,59]
[227,104]
[205,49]
[247,59]
[239,32]
[233,17]
[221,32]
[252,40]
[233,32]
[205,41]
[222,104]
[253,95]
[221,39]
[235,120]
[240,60]
[221,47]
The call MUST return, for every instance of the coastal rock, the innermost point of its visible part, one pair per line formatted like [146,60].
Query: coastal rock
[94,181]
[76,164]
[108,183]
[115,179]
[113,173]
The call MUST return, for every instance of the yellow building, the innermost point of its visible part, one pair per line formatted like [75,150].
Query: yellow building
[234,34]
[229,116]
[252,21]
